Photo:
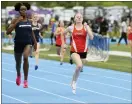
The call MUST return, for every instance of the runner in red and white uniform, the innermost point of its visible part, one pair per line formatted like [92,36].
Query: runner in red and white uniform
[79,48]
[129,32]
[57,34]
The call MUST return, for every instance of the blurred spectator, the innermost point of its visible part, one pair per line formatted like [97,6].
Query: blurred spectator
[46,21]
[118,17]
[123,31]
[89,23]
[71,21]
[115,31]
[111,18]
[41,19]
[95,26]
[110,29]
[103,27]
[116,28]
[53,28]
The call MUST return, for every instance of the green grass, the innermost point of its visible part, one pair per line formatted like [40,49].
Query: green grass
[3,27]
[122,47]
[117,63]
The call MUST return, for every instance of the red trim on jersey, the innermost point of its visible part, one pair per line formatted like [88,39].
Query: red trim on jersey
[79,42]
[130,34]
[58,39]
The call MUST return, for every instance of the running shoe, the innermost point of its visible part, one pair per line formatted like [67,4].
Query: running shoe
[36,67]
[71,62]
[18,80]
[73,87]
[25,84]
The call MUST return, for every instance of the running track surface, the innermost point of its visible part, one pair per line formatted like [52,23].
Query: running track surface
[51,84]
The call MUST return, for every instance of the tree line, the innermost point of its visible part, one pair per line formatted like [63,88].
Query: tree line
[70,4]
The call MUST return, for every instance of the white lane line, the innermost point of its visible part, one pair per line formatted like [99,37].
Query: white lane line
[14,98]
[80,88]
[79,78]
[47,92]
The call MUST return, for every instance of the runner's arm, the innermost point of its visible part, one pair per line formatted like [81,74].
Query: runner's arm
[89,31]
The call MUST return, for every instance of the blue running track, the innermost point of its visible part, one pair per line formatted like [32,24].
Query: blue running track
[51,84]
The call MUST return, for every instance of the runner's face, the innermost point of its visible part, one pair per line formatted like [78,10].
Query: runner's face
[35,17]
[78,18]
[23,10]
[61,24]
